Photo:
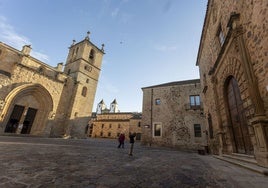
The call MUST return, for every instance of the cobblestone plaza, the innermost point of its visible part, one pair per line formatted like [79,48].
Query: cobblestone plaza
[48,162]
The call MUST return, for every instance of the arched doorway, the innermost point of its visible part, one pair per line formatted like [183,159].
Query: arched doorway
[241,138]
[27,110]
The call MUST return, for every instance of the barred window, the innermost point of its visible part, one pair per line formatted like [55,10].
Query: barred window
[197,130]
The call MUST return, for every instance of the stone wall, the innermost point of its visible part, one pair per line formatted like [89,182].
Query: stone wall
[62,100]
[243,56]
[174,114]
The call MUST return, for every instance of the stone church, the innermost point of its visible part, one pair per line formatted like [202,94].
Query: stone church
[38,99]
[233,63]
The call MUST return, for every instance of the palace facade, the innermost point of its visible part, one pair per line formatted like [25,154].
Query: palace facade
[172,115]
[233,63]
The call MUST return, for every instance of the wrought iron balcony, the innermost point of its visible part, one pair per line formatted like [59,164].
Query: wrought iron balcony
[190,106]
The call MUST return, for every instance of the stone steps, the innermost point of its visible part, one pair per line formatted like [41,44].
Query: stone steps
[242,157]
[244,161]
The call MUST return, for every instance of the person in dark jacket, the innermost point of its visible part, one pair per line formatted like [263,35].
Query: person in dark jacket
[121,140]
[131,141]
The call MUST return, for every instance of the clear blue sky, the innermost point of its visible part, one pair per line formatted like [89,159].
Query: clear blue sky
[147,42]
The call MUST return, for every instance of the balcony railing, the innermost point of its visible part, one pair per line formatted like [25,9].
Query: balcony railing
[190,106]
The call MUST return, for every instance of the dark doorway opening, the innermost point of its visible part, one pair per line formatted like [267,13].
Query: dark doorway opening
[14,119]
[28,121]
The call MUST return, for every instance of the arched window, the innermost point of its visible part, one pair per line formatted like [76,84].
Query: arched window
[92,54]
[84,91]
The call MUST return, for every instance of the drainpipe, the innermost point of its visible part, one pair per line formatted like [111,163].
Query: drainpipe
[151,127]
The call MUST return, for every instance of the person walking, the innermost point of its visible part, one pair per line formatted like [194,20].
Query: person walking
[131,141]
[121,140]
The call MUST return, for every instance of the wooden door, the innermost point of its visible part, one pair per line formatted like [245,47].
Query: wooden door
[239,124]
[14,119]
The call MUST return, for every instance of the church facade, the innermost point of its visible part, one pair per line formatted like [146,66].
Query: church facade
[233,63]
[38,99]
[172,115]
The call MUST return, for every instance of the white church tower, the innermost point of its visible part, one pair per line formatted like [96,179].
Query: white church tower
[114,107]
[101,106]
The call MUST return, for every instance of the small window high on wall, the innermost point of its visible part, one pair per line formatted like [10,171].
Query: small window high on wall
[157,101]
[84,91]
[92,54]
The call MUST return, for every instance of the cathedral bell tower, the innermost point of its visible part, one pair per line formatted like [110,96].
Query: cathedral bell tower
[83,66]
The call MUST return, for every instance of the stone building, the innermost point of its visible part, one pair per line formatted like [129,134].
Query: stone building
[109,123]
[172,115]
[233,63]
[38,99]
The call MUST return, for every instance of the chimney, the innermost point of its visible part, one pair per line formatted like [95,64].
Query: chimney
[26,49]
[60,66]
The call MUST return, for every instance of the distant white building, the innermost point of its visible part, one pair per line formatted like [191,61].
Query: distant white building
[102,108]
[114,107]
[110,123]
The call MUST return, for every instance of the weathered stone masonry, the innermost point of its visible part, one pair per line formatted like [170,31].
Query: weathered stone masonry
[236,67]
[38,99]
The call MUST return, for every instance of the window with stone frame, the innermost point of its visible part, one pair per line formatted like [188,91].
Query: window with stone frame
[195,102]
[197,130]
[157,101]
[220,35]
[84,91]
[157,129]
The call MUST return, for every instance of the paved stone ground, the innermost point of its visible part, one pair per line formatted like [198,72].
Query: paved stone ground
[46,162]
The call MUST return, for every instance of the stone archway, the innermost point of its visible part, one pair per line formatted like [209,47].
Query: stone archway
[239,128]
[27,109]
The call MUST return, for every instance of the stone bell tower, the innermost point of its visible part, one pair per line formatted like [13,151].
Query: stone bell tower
[83,66]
